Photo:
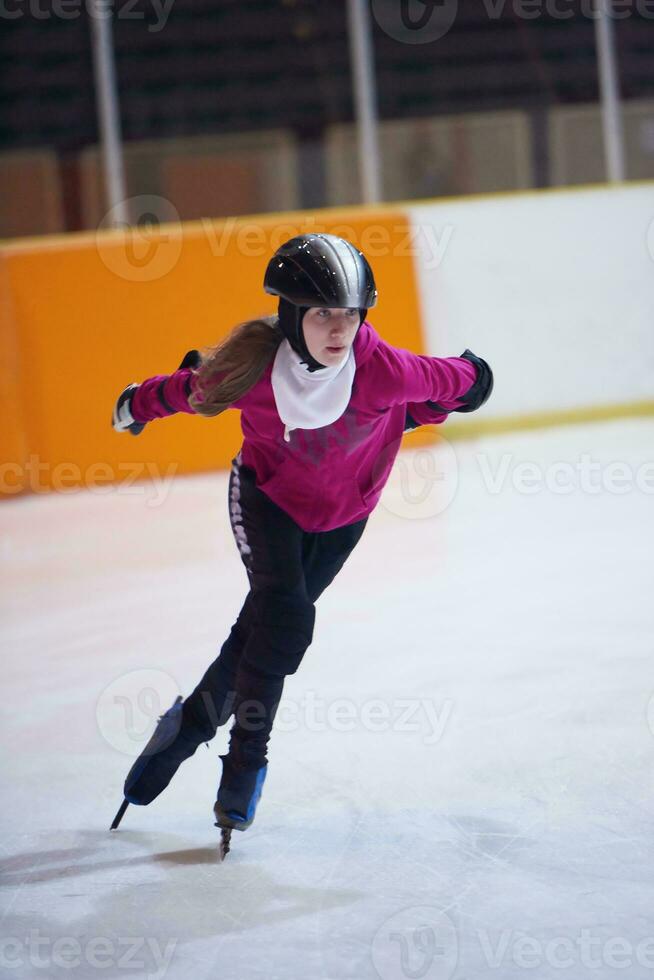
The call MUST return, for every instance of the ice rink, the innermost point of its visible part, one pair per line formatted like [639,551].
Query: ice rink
[460,780]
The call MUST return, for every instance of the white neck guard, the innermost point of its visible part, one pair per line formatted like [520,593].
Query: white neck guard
[306,399]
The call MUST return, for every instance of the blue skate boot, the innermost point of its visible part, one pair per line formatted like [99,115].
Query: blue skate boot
[238,795]
[174,740]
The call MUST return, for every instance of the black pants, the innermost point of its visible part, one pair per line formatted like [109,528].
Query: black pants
[288,568]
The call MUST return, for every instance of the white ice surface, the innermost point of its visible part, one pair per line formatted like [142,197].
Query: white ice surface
[517,842]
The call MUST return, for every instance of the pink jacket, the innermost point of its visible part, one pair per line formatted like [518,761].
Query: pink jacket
[328,477]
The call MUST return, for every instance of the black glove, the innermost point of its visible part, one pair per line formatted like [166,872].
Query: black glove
[122,419]
[192,359]
[480,391]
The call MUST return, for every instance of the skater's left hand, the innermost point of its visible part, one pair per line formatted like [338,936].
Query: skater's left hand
[481,389]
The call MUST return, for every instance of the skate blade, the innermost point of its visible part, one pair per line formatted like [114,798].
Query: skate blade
[226,825]
[224,846]
[119,816]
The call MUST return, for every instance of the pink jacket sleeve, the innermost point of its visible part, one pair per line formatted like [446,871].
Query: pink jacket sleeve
[162,395]
[401,377]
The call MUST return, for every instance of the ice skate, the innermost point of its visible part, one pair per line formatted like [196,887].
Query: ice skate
[238,795]
[173,741]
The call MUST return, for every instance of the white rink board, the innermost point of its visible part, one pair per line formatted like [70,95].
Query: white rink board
[554,290]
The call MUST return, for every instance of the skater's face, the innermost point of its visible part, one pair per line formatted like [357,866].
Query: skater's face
[329,333]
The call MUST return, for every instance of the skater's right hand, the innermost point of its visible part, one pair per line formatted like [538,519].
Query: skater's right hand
[122,418]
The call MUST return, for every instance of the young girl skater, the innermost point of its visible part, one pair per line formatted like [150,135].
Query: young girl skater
[324,402]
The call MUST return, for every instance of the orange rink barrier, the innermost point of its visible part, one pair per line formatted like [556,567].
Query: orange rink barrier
[82,316]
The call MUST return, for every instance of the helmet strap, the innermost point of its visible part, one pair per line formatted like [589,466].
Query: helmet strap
[290,323]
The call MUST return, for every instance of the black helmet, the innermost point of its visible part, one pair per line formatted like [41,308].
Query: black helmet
[321,270]
[317,270]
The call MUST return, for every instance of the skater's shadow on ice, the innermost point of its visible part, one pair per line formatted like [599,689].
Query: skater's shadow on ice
[34,867]
[191,855]
[94,851]
[119,881]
